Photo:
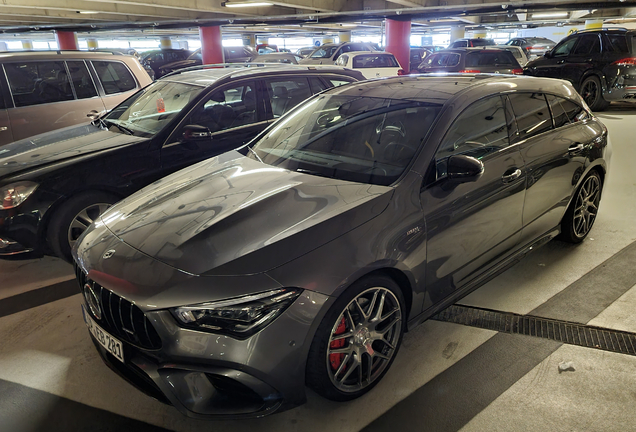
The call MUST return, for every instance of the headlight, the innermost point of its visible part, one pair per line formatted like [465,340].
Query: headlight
[240,317]
[15,194]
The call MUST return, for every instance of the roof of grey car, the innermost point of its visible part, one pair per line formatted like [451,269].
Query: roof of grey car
[440,88]
[207,76]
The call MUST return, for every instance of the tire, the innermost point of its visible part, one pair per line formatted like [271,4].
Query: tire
[592,93]
[581,214]
[83,209]
[357,340]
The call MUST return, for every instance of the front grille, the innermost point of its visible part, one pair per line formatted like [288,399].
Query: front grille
[120,317]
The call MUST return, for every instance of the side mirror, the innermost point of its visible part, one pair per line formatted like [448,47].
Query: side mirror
[196,133]
[464,168]
[94,114]
[547,54]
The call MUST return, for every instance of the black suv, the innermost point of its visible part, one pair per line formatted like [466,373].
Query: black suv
[54,185]
[600,64]
[157,58]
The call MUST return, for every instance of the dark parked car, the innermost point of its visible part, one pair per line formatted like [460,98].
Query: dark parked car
[600,64]
[240,54]
[532,46]
[417,56]
[471,60]
[54,185]
[226,287]
[327,54]
[157,58]
[471,42]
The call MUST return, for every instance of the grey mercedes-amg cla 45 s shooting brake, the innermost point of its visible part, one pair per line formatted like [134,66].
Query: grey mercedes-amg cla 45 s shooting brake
[228,286]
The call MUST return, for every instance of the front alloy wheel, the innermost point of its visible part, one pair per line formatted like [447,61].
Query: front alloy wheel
[357,340]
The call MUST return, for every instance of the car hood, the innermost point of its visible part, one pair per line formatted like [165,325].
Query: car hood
[231,215]
[58,145]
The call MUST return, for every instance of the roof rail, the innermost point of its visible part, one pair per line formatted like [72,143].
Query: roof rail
[623,29]
[228,66]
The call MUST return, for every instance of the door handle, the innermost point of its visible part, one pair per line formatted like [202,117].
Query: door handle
[560,62]
[575,148]
[507,178]
[3,128]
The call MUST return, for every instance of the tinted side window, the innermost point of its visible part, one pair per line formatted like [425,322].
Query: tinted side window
[337,82]
[558,113]
[564,48]
[574,111]
[34,83]
[286,93]
[82,81]
[618,43]
[532,114]
[442,60]
[115,77]
[588,44]
[480,129]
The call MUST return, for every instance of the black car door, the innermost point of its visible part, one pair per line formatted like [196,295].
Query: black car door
[232,114]
[469,226]
[551,65]
[554,157]
[585,56]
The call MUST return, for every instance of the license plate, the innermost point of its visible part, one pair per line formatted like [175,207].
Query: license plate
[111,344]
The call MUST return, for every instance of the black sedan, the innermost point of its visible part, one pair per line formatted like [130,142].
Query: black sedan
[53,186]
[227,287]
[471,60]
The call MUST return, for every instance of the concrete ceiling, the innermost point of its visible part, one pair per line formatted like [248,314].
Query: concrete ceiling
[127,18]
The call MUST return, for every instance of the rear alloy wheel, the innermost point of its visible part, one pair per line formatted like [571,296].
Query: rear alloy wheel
[592,94]
[73,218]
[358,339]
[580,216]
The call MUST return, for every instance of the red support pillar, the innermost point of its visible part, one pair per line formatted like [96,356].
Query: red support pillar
[66,40]
[398,40]
[211,46]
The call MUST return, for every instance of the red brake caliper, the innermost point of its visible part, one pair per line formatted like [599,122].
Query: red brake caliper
[336,359]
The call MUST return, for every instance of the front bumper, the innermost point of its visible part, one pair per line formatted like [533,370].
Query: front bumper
[203,374]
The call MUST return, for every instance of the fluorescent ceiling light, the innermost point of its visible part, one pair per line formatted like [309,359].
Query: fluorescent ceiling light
[87,12]
[349,25]
[551,15]
[443,20]
[245,4]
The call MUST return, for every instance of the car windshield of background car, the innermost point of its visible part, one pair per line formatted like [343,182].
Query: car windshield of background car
[359,139]
[325,52]
[148,111]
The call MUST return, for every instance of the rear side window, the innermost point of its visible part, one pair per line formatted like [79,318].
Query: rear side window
[374,61]
[286,93]
[532,114]
[115,77]
[82,81]
[337,82]
[588,44]
[442,60]
[317,85]
[618,43]
[558,112]
[499,58]
[574,111]
[35,83]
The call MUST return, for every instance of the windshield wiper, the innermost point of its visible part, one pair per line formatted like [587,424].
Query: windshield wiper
[120,127]
[254,153]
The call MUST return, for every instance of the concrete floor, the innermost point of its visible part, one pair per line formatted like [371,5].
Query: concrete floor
[447,377]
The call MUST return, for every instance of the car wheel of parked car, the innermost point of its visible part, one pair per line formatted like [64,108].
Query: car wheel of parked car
[592,93]
[71,220]
[581,214]
[357,340]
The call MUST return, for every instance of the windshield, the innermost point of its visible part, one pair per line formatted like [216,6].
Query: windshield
[360,139]
[324,52]
[149,110]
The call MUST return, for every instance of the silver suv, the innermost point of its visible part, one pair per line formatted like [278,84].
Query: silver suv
[328,53]
[44,91]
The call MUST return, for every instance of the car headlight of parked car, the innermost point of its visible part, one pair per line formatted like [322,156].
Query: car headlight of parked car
[239,317]
[14,194]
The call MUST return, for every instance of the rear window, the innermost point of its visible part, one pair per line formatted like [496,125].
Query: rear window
[374,61]
[442,60]
[491,58]
[482,42]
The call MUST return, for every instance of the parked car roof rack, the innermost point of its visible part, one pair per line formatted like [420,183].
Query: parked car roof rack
[252,64]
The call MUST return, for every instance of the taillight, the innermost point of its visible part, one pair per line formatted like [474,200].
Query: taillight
[402,72]
[517,71]
[470,71]
[629,61]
